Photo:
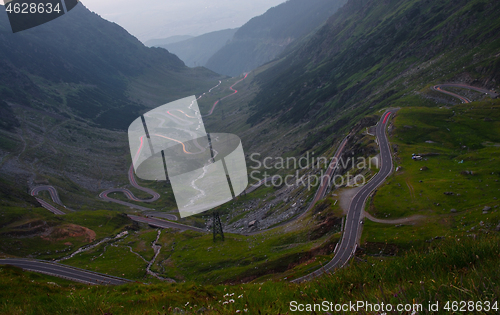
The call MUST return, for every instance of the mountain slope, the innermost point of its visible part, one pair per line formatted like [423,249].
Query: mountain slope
[96,58]
[371,52]
[264,37]
[68,90]
[196,51]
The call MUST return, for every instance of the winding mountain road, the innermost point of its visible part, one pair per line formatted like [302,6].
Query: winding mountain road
[155,196]
[353,225]
[322,189]
[346,247]
[130,195]
[440,88]
[320,193]
[53,194]
[63,271]
[234,92]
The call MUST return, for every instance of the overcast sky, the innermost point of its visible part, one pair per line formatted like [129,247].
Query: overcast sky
[148,19]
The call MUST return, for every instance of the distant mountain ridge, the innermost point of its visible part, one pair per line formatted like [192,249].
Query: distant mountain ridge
[157,42]
[196,51]
[264,37]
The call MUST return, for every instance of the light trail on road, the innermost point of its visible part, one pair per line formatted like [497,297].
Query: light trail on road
[234,92]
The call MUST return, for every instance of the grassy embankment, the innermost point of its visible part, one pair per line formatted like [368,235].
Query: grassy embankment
[459,269]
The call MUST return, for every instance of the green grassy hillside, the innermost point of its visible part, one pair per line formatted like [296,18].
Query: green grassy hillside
[455,269]
[460,145]
[37,233]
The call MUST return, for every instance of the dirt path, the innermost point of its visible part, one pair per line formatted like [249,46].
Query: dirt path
[409,220]
[410,187]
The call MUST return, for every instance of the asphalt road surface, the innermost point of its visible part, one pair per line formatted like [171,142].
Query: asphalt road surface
[62,271]
[440,87]
[53,194]
[353,224]
[165,224]
[326,179]
[159,214]
[130,195]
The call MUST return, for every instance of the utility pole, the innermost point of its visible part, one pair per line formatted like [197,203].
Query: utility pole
[217,225]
